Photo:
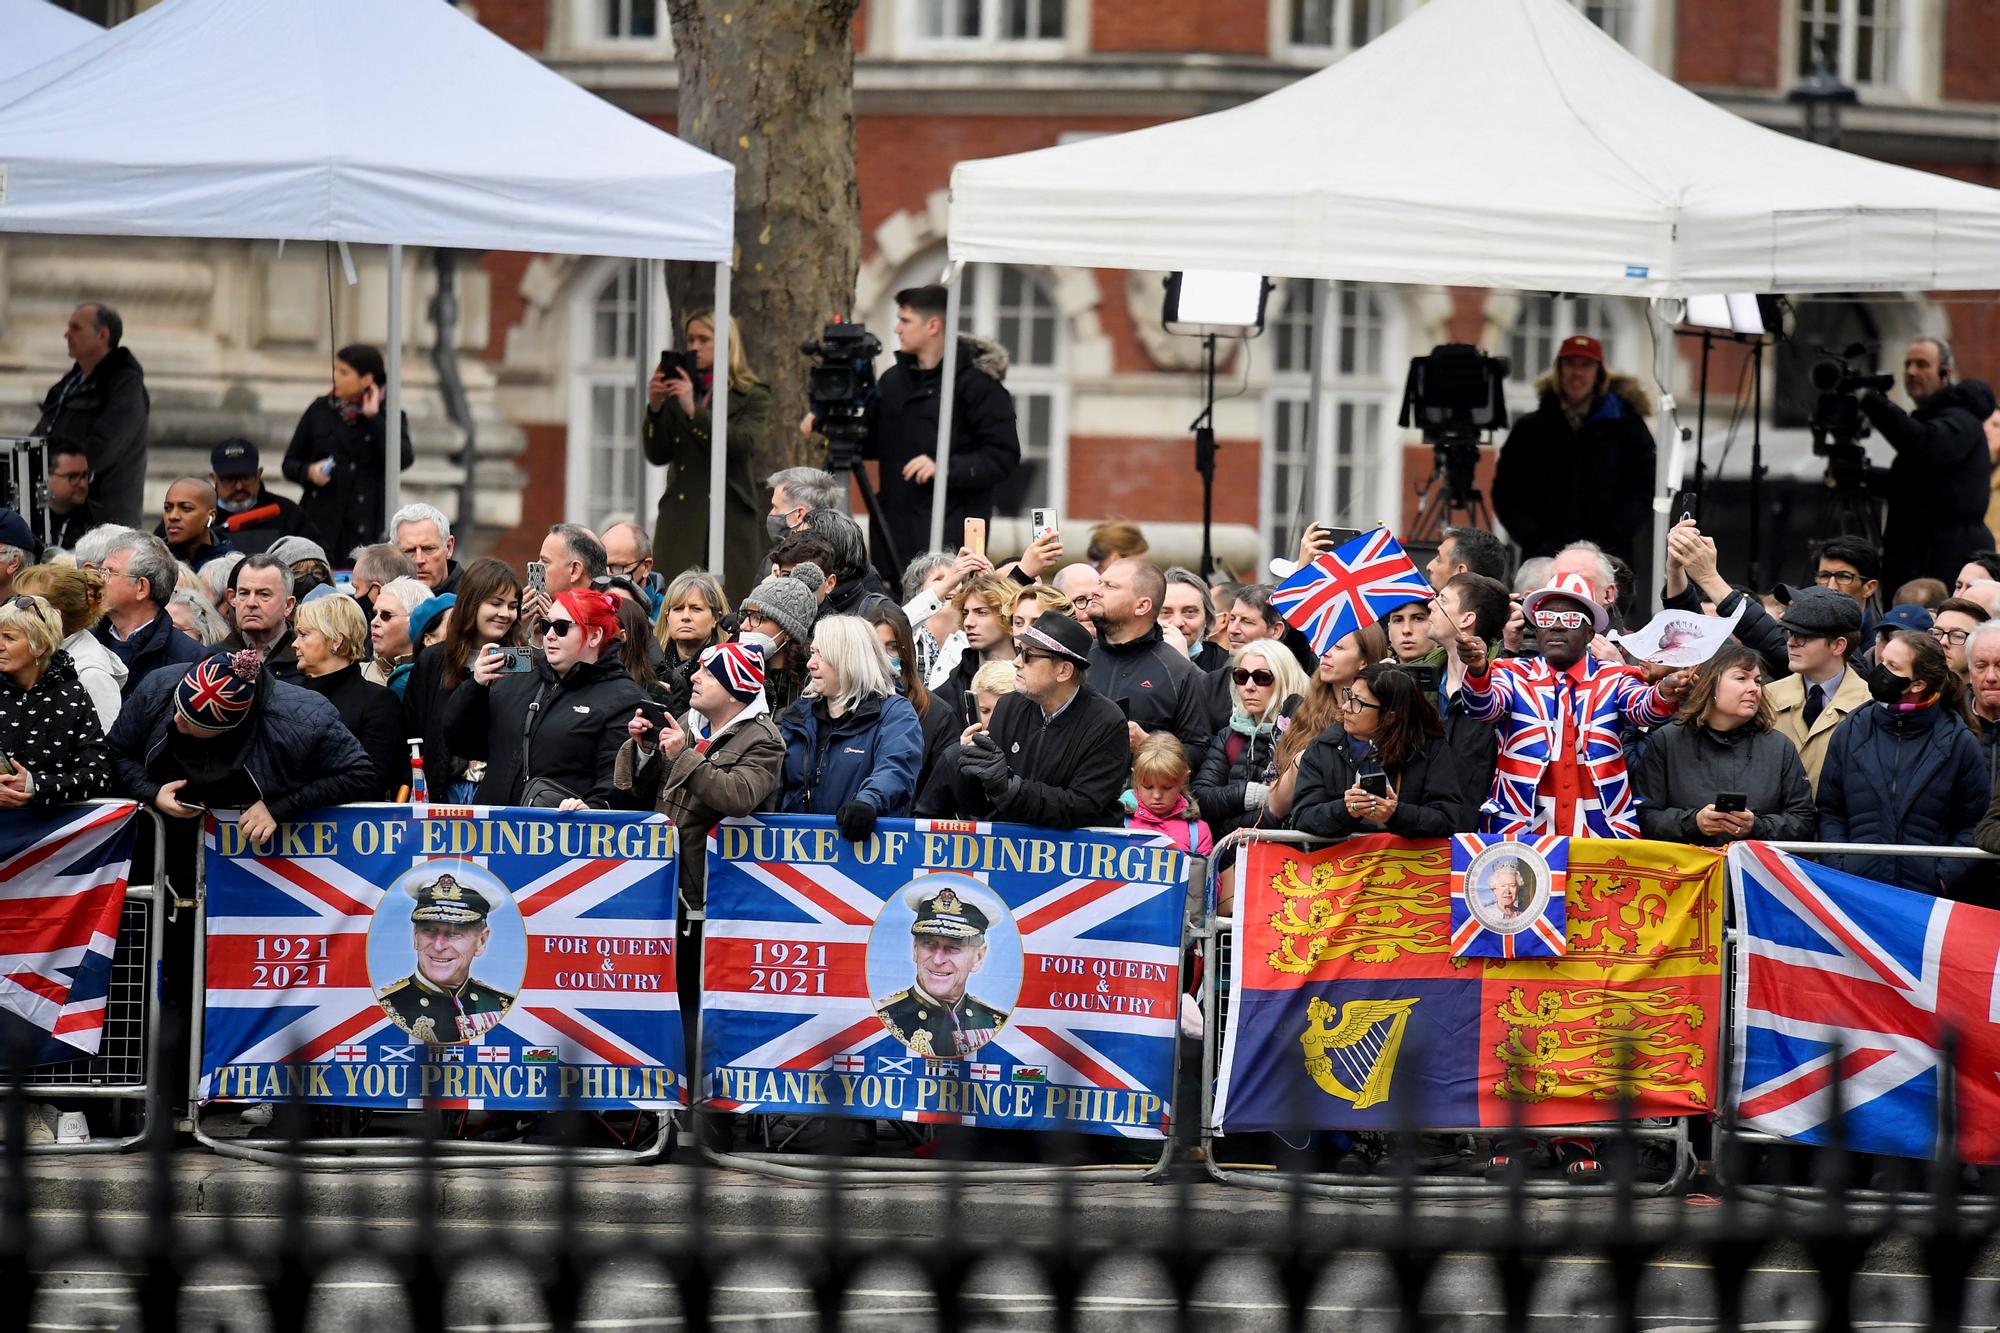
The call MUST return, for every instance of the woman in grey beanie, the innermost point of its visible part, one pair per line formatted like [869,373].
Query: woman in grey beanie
[783,608]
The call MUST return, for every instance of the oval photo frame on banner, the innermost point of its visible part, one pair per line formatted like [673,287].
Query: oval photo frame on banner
[465,978]
[1522,892]
[988,974]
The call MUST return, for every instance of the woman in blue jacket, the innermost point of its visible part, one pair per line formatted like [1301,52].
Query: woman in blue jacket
[1905,770]
[853,745]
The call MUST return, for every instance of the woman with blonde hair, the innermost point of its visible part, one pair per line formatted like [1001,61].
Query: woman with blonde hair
[77,595]
[689,624]
[853,744]
[1265,688]
[329,637]
[52,750]
[1034,599]
[677,437]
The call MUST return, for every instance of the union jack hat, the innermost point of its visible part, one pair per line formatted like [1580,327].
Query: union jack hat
[1575,588]
[217,692]
[738,666]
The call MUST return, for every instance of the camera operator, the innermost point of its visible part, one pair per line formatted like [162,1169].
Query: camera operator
[1937,486]
[1580,466]
[902,430]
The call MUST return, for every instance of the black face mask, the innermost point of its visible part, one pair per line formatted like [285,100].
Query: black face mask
[1885,685]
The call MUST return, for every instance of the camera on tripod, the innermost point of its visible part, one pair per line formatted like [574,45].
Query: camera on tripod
[1455,395]
[24,481]
[1837,423]
[840,386]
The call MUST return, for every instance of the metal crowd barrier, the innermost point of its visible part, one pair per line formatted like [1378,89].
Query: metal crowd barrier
[1216,938]
[344,1153]
[126,1066]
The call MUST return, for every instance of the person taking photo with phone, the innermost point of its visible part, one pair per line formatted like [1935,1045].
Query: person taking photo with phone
[679,427]
[487,611]
[1383,768]
[1722,773]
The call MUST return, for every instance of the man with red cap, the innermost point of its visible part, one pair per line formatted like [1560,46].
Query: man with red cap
[1580,466]
[550,735]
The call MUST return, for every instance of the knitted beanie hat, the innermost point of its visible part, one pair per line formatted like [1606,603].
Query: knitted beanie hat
[738,667]
[217,692]
[789,599]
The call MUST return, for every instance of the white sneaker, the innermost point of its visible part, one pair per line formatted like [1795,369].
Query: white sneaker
[40,1118]
[72,1127]
[259,1114]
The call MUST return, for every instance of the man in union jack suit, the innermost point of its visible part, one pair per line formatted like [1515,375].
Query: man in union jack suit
[1561,720]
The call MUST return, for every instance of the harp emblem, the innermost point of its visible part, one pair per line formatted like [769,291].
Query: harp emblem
[1354,1058]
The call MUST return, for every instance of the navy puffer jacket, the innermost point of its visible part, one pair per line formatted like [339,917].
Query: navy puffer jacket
[296,749]
[872,752]
[1916,779]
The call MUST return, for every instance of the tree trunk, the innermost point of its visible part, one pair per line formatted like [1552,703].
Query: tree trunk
[769,88]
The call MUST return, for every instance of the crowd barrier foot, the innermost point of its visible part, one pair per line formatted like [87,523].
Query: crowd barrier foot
[856,1172]
[1960,1199]
[346,1154]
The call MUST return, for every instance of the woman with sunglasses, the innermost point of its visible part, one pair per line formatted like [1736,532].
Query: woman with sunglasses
[389,633]
[51,748]
[487,610]
[1265,688]
[550,735]
[1384,769]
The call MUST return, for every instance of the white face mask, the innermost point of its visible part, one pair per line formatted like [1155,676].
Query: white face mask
[237,506]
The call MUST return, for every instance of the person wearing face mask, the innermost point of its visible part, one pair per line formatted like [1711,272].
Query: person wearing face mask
[1186,608]
[312,572]
[1905,770]
[1724,741]
[941,722]
[253,515]
[676,437]
[1561,719]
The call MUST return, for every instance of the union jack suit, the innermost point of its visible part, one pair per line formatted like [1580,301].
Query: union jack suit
[1529,702]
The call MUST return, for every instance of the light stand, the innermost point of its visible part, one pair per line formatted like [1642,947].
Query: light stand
[1208,305]
[1740,318]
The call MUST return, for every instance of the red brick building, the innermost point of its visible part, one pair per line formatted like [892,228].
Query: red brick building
[1105,397]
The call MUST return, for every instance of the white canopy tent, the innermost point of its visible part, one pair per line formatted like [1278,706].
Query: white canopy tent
[1482,143]
[32,31]
[357,121]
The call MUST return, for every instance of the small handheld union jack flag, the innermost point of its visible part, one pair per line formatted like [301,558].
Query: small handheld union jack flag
[1349,587]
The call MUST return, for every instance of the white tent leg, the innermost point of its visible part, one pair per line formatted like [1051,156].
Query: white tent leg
[392,405]
[718,408]
[947,386]
[1668,440]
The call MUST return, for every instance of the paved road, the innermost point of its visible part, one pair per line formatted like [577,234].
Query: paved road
[1238,1293]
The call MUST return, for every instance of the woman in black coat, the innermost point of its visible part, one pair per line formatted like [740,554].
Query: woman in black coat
[327,636]
[336,453]
[487,610]
[1385,768]
[1723,742]
[1265,689]
[48,725]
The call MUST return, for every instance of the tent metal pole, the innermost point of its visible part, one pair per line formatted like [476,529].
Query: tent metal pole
[644,354]
[392,403]
[718,412]
[1670,445]
[947,386]
[1319,456]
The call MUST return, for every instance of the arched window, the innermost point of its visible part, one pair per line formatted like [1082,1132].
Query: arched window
[1363,385]
[606,471]
[1015,307]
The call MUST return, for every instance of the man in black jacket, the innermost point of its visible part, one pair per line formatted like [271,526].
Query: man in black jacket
[1159,689]
[1580,466]
[251,514]
[139,580]
[902,426]
[1938,485]
[102,405]
[1054,752]
[563,720]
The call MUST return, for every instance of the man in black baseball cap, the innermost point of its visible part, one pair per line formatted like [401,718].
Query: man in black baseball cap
[252,516]
[1822,635]
[1054,753]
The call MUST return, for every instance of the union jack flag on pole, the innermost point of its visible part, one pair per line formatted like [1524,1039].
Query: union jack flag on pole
[1842,977]
[911,977]
[63,873]
[1349,587]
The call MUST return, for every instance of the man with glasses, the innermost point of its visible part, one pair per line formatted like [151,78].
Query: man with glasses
[1821,628]
[72,512]
[1053,753]
[628,553]
[1853,567]
[1562,718]
[1951,625]
[550,736]
[139,580]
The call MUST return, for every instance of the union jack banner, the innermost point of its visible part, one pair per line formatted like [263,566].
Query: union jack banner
[555,964]
[1488,922]
[1349,587]
[947,955]
[1842,977]
[63,872]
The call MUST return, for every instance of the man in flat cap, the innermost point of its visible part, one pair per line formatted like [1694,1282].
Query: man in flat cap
[442,1003]
[935,1017]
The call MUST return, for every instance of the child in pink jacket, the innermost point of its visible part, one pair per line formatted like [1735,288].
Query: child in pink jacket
[1158,797]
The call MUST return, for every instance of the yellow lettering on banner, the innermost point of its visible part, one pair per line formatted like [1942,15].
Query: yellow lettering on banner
[541,840]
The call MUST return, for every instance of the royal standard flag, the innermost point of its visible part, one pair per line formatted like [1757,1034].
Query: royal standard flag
[1348,1010]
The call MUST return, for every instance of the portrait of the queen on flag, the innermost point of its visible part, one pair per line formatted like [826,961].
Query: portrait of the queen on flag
[1507,896]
